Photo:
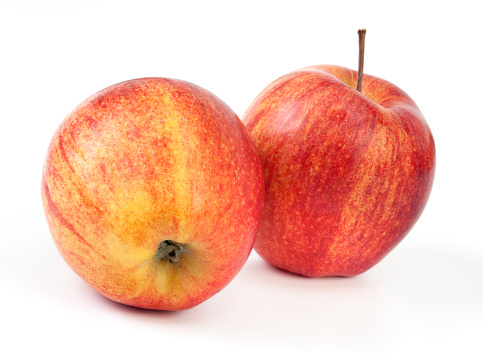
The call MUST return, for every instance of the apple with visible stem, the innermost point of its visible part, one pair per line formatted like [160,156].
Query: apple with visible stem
[348,161]
[153,193]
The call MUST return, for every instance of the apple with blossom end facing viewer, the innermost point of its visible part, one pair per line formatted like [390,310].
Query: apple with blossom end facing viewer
[153,192]
[349,163]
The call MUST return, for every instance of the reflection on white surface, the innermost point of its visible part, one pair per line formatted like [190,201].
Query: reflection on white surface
[428,297]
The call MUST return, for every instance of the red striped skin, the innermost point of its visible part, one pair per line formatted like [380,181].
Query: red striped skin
[347,174]
[145,161]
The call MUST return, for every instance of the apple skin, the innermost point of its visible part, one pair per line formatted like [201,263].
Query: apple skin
[147,161]
[347,173]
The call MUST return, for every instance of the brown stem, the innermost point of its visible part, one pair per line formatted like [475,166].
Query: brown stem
[362,38]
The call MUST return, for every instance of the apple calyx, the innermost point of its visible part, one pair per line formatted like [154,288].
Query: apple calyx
[170,250]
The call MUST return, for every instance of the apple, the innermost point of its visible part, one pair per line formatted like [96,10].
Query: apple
[347,173]
[153,193]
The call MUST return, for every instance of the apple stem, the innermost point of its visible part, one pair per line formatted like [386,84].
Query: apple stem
[170,250]
[362,38]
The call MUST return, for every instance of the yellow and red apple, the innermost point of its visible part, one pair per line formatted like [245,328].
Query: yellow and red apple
[347,173]
[153,193]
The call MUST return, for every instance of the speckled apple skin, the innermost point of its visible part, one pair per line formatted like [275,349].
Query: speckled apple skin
[347,174]
[145,161]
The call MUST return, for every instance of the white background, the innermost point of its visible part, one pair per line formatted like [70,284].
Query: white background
[426,297]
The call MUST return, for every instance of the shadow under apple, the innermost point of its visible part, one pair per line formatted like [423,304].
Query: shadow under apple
[414,288]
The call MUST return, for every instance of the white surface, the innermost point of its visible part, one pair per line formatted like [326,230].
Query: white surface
[426,297]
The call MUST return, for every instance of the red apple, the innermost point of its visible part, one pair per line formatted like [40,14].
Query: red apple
[153,192]
[347,173]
